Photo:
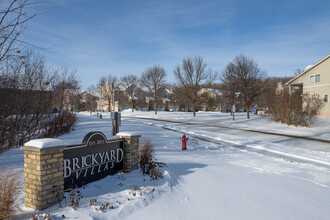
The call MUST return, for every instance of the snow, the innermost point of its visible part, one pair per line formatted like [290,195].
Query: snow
[227,178]
[320,128]
[308,67]
[168,91]
[45,143]
[126,134]
[149,98]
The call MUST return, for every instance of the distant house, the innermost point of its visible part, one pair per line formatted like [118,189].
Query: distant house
[112,97]
[107,97]
[315,79]
[116,98]
[88,100]
[210,99]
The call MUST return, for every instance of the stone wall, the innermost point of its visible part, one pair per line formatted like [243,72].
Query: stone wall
[131,161]
[43,170]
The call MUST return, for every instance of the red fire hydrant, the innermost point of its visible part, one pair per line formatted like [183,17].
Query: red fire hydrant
[184,140]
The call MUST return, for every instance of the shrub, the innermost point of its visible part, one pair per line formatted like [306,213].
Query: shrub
[147,163]
[145,154]
[312,107]
[75,196]
[10,190]
[60,124]
[14,135]
[295,109]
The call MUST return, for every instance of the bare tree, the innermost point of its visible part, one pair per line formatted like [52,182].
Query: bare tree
[107,88]
[296,72]
[91,103]
[191,75]
[180,99]
[26,93]
[248,79]
[29,90]
[154,80]
[14,15]
[66,88]
[130,83]
[229,87]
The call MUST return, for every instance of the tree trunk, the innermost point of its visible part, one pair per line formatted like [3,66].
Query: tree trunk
[156,100]
[247,113]
[132,105]
[123,103]
[194,110]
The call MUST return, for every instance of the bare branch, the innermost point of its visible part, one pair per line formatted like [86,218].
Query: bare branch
[191,75]
[130,84]
[243,77]
[154,80]
[13,17]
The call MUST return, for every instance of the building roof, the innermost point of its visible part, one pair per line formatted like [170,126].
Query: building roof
[150,98]
[307,69]
[168,91]
[134,97]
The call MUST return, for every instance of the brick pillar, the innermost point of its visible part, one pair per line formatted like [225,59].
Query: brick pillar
[44,179]
[131,161]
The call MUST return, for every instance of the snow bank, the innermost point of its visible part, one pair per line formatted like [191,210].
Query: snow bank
[45,143]
[129,110]
[208,181]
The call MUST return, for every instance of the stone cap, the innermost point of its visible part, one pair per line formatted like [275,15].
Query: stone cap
[45,143]
[127,134]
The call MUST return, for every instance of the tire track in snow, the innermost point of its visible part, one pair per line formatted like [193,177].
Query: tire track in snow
[258,149]
[235,128]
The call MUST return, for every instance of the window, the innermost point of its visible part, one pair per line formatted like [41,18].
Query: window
[325,98]
[315,78]
[312,79]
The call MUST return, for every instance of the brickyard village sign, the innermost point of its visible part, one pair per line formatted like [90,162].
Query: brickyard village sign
[94,159]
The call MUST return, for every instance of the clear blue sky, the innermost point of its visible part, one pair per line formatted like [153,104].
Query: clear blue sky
[121,37]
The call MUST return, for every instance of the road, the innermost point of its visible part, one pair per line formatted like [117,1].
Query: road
[290,141]
[284,139]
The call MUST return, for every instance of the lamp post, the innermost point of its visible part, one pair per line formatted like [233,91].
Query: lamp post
[233,110]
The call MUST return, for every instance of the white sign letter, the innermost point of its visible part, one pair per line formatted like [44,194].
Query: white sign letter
[67,168]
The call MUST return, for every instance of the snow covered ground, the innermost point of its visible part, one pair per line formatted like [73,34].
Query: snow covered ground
[320,128]
[209,180]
